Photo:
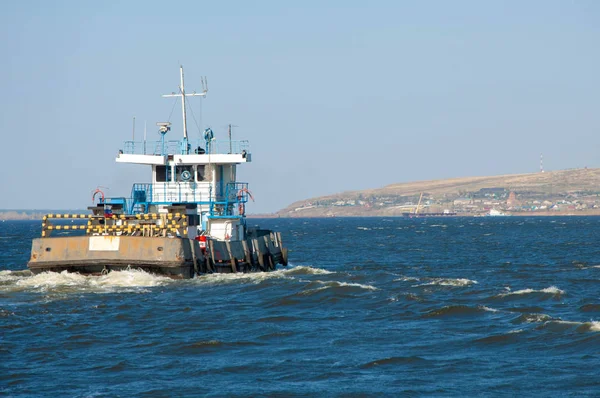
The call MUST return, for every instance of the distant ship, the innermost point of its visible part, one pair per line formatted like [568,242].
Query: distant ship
[190,219]
[496,213]
[437,214]
[416,213]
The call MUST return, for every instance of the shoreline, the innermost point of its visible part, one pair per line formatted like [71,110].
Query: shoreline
[22,216]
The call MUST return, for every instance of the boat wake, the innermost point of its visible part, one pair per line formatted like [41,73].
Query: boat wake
[257,277]
[318,286]
[65,282]
[134,280]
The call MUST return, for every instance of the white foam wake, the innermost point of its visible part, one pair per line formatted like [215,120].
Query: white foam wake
[335,284]
[251,277]
[449,282]
[8,277]
[134,279]
[552,290]
[306,270]
[258,277]
[582,327]
[407,279]
[593,325]
[488,309]
[72,282]
[346,284]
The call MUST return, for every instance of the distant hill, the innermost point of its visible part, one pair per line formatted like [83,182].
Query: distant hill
[560,191]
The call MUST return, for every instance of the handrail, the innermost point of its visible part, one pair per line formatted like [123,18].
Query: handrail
[194,147]
[230,203]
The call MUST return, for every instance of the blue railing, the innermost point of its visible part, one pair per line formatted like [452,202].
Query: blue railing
[116,201]
[177,147]
[190,192]
[234,202]
[141,196]
[231,204]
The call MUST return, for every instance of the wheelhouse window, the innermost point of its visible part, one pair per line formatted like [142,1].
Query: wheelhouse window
[200,176]
[163,173]
[203,173]
[184,173]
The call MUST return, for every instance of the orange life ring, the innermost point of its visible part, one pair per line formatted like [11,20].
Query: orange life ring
[96,192]
[240,194]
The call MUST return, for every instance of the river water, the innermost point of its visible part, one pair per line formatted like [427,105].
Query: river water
[499,306]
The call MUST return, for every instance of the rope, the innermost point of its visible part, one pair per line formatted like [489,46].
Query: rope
[173,108]
[194,116]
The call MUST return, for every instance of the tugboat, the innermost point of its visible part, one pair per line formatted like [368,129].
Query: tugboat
[189,220]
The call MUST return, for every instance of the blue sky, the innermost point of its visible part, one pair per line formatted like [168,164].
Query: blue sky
[333,96]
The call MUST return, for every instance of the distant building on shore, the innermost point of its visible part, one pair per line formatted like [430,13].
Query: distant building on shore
[512,199]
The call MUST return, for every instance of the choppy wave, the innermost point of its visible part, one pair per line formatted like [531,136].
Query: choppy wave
[449,282]
[489,309]
[211,345]
[551,291]
[590,308]
[532,318]
[306,270]
[418,302]
[562,326]
[437,281]
[334,285]
[258,277]
[252,277]
[393,361]
[458,310]
[407,279]
[510,337]
[65,282]
[347,284]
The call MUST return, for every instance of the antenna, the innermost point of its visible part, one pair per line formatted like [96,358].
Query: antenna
[183,94]
[133,131]
[541,162]
[230,146]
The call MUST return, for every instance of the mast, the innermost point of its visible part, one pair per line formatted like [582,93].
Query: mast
[182,89]
[183,94]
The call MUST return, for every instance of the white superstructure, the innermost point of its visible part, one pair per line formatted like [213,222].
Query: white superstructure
[199,176]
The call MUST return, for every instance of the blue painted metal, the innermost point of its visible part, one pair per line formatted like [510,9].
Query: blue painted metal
[145,194]
[185,146]
[220,180]
[226,202]
[178,192]
[162,140]
[236,193]
[141,197]
[208,138]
